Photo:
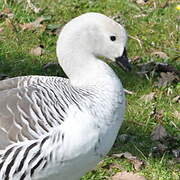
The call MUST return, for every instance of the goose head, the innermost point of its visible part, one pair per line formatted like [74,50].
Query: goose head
[87,37]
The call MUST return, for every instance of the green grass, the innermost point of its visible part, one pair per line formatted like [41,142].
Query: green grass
[157,31]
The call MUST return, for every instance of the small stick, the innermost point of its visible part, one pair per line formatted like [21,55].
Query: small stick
[128,92]
[135,38]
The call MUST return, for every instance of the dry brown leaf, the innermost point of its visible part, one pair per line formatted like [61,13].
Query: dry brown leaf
[33,25]
[166,79]
[137,163]
[111,166]
[157,114]
[159,133]
[160,54]
[177,114]
[127,176]
[148,97]
[37,51]
[158,149]
[6,13]
[117,166]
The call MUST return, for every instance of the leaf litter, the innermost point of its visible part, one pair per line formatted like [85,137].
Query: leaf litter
[148,97]
[137,163]
[159,133]
[37,51]
[152,66]
[6,13]
[35,24]
[166,79]
[160,54]
[163,142]
[157,114]
[127,176]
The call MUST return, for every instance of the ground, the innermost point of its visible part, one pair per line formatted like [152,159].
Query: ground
[153,30]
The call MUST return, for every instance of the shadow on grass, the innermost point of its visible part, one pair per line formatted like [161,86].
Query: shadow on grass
[23,65]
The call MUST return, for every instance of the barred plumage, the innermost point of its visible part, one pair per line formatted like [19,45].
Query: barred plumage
[57,128]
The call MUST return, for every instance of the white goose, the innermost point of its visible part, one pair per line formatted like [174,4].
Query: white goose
[56,128]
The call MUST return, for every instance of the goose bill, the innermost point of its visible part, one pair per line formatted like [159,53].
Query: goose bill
[123,61]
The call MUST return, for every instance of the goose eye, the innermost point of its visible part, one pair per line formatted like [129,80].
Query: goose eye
[113,38]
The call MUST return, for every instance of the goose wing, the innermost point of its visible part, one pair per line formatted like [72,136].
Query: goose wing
[30,107]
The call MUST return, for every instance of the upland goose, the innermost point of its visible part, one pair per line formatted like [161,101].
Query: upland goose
[56,128]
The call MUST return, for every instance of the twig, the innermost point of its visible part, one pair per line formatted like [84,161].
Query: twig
[138,40]
[128,92]
[174,125]
[140,152]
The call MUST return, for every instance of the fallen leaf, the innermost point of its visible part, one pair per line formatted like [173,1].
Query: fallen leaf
[166,79]
[37,51]
[117,166]
[35,24]
[111,165]
[157,115]
[127,176]
[148,97]
[133,159]
[158,149]
[159,133]
[160,54]
[176,99]
[177,114]
[6,13]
